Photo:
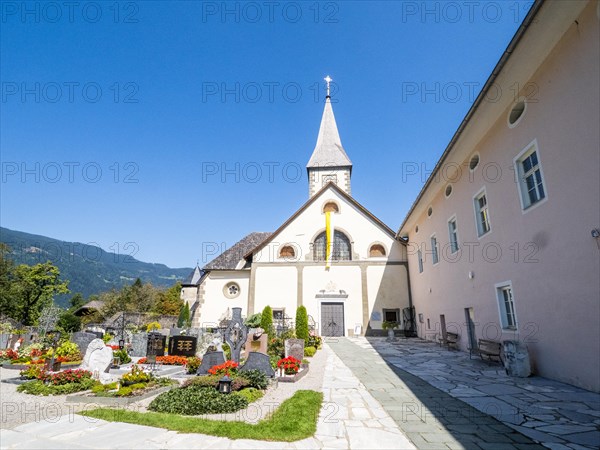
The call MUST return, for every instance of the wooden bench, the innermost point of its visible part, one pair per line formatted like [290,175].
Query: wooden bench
[451,340]
[488,349]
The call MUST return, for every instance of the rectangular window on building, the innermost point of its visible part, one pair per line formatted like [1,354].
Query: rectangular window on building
[530,178]
[420,258]
[391,315]
[482,214]
[506,306]
[434,250]
[453,235]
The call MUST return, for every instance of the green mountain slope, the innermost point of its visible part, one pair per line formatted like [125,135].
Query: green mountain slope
[89,269]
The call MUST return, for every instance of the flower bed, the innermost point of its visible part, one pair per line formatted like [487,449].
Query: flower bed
[167,360]
[56,383]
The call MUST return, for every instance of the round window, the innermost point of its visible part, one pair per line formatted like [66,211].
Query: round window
[429,211]
[448,190]
[516,113]
[231,290]
[474,162]
[417,229]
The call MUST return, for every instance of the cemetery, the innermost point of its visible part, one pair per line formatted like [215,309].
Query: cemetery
[179,372]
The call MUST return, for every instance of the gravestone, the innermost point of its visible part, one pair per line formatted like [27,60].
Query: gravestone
[209,360]
[256,344]
[156,344]
[295,348]
[182,346]
[4,339]
[258,361]
[82,340]
[139,344]
[98,357]
[235,334]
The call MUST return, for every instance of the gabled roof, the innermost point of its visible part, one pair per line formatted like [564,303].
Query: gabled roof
[230,258]
[193,278]
[329,151]
[310,201]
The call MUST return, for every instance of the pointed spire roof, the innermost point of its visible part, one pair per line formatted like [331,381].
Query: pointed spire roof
[329,151]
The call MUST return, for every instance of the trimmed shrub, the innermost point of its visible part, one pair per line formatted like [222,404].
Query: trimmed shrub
[310,351]
[250,394]
[195,400]
[255,378]
[192,364]
[302,323]
[266,321]
[122,355]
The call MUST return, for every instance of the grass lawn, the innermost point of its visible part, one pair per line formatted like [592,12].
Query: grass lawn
[295,419]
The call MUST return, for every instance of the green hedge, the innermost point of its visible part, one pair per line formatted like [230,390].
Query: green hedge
[193,401]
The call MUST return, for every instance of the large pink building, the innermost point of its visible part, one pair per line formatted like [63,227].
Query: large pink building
[503,238]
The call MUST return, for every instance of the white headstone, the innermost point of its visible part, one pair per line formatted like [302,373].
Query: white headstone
[97,357]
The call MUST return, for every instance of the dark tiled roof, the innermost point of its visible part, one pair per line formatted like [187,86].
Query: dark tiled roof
[230,258]
[193,278]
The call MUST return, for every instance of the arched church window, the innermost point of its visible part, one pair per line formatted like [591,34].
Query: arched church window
[376,250]
[341,247]
[331,207]
[287,252]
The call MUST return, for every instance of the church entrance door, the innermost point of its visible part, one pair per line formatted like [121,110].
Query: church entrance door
[332,319]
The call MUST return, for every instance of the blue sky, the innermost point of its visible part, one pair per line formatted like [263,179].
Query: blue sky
[117,121]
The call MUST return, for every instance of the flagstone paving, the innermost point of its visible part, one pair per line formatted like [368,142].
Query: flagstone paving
[442,399]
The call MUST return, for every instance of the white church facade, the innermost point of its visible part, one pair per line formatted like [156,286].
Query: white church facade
[349,290]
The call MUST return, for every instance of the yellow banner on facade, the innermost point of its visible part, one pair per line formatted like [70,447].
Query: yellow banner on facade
[329,239]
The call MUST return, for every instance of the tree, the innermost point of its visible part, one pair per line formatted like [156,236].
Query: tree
[169,302]
[302,323]
[184,316]
[69,322]
[76,302]
[6,277]
[266,321]
[33,288]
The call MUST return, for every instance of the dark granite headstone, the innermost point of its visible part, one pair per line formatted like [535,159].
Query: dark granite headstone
[182,345]
[209,360]
[83,339]
[156,344]
[258,361]
[236,333]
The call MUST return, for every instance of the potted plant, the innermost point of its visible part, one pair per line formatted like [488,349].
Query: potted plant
[390,326]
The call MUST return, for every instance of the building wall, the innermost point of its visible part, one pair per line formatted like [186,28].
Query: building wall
[215,303]
[318,177]
[547,252]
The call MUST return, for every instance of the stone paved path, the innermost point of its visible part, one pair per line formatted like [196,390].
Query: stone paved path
[350,418]
[431,390]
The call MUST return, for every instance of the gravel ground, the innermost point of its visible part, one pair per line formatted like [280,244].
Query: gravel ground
[17,408]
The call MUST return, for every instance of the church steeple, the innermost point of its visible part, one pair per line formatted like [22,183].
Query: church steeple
[329,161]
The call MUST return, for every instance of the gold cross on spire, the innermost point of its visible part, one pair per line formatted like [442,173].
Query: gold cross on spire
[328,80]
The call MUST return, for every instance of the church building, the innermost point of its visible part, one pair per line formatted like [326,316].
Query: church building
[332,255]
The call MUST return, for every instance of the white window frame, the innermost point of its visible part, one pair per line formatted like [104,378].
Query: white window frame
[477,210]
[520,177]
[420,260]
[500,288]
[453,249]
[435,254]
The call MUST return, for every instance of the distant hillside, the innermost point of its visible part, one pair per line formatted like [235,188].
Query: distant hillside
[89,269]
